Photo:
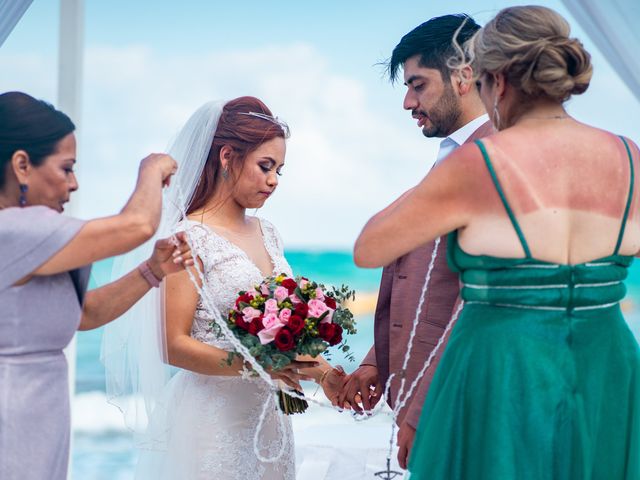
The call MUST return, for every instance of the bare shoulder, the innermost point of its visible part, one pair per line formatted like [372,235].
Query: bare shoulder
[262,224]
[601,141]
[463,165]
[463,178]
[633,146]
[464,156]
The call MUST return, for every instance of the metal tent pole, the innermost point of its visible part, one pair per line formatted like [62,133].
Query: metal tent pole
[70,62]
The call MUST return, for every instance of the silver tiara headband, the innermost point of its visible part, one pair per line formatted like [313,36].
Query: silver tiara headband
[283,125]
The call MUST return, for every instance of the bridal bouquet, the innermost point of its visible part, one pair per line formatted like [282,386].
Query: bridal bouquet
[285,317]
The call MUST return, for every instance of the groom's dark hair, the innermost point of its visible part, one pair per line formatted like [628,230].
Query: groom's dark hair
[433,42]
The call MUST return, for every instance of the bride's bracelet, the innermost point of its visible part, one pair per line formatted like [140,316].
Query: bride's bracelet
[324,375]
[338,368]
[321,379]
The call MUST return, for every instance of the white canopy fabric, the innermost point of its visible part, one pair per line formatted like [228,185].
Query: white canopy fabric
[11,12]
[613,27]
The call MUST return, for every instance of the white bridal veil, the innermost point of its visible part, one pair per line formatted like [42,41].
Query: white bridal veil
[133,347]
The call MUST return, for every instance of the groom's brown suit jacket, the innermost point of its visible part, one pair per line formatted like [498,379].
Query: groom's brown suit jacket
[398,299]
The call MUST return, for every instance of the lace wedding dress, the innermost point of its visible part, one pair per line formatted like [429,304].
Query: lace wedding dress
[206,424]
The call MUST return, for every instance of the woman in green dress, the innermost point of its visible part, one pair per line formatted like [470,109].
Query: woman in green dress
[541,377]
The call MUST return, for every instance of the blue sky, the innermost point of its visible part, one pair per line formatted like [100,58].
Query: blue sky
[353,149]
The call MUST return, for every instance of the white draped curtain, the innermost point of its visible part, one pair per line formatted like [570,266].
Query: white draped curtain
[11,12]
[614,26]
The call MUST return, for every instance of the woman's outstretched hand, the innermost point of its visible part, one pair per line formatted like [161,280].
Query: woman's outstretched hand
[170,255]
[161,163]
[291,374]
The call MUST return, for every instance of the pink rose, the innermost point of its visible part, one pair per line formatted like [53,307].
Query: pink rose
[317,308]
[281,293]
[269,334]
[249,313]
[264,290]
[271,306]
[271,320]
[294,299]
[285,315]
[303,283]
[319,294]
[329,316]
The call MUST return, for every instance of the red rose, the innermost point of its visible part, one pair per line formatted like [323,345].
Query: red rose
[330,332]
[245,298]
[301,310]
[290,284]
[255,326]
[284,340]
[330,302]
[240,322]
[296,324]
[326,331]
[337,337]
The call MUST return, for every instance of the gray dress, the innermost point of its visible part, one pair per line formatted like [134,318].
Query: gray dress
[37,320]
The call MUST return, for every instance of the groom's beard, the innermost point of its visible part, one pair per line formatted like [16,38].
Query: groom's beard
[444,115]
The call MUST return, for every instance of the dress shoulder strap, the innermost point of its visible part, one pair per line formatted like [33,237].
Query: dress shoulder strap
[496,182]
[629,197]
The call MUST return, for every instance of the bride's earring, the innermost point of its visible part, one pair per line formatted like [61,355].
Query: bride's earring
[496,114]
[225,173]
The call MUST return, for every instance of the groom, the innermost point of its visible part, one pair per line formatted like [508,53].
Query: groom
[446,105]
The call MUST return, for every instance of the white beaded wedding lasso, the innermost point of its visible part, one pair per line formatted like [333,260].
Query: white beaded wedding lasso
[401,399]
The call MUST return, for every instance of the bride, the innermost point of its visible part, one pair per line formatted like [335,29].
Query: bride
[200,422]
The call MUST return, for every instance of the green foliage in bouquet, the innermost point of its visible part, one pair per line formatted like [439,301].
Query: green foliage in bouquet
[285,317]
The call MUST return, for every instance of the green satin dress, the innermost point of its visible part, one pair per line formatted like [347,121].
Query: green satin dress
[541,377]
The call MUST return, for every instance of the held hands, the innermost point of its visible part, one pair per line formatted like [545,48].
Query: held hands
[170,255]
[291,375]
[160,163]
[332,382]
[361,387]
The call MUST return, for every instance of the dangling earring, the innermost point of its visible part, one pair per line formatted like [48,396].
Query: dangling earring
[225,173]
[496,115]
[23,195]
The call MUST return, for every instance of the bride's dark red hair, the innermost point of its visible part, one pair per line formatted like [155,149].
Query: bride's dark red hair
[243,133]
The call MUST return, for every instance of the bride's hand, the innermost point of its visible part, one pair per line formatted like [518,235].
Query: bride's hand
[170,255]
[291,375]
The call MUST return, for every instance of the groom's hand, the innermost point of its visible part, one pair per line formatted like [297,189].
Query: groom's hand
[357,389]
[406,434]
[332,383]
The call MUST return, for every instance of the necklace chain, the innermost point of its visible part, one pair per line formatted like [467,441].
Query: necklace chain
[548,117]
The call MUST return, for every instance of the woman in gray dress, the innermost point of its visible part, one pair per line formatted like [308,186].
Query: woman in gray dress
[44,268]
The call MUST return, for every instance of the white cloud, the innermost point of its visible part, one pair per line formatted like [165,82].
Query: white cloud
[345,158]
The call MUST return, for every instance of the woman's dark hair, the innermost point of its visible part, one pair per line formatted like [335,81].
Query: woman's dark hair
[30,125]
[243,133]
[434,42]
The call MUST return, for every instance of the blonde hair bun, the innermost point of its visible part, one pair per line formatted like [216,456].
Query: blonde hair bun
[532,48]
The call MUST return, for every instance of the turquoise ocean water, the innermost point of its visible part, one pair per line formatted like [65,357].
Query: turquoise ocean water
[330,268]
[102,449]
